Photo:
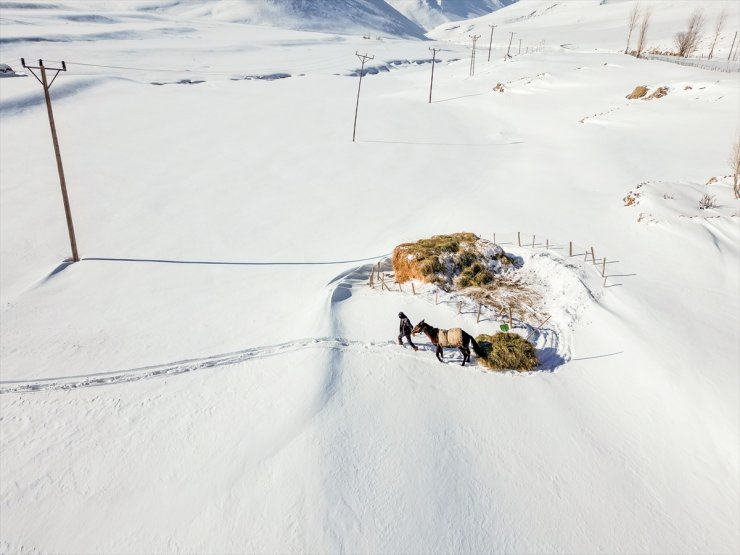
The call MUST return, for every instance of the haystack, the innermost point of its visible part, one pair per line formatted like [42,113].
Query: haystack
[460,259]
[638,92]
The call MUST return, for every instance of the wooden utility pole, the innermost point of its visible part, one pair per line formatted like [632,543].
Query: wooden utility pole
[733,44]
[363,58]
[490,42]
[434,59]
[60,169]
[472,54]
[508,49]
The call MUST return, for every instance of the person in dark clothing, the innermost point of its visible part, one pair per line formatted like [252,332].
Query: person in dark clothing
[404,330]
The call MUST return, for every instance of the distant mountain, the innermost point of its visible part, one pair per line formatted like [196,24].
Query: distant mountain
[332,16]
[431,13]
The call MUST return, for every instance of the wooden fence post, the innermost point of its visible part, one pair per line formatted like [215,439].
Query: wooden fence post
[538,327]
[570,248]
[436,297]
[603,267]
[477,319]
[547,244]
[532,241]
[519,238]
[494,237]
[511,322]
[459,307]
[413,289]
[593,258]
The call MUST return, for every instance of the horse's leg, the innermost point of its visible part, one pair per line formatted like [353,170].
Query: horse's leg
[466,354]
[466,342]
[440,354]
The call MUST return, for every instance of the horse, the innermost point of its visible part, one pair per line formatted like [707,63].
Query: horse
[455,337]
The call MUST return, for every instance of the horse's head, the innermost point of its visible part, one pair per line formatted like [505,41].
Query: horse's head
[418,328]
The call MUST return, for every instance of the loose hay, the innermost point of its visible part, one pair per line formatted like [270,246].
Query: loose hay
[507,351]
[660,92]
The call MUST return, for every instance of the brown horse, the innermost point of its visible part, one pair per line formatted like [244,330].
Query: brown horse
[455,337]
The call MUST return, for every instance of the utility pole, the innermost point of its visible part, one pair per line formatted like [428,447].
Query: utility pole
[363,58]
[520,47]
[733,44]
[507,50]
[434,58]
[472,54]
[60,169]
[490,42]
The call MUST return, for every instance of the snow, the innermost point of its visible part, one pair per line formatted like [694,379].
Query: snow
[216,375]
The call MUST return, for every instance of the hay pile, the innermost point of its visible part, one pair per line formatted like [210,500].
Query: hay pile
[458,260]
[660,92]
[507,351]
[638,92]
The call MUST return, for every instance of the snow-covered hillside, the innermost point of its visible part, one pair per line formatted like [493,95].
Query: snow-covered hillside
[216,375]
[347,16]
[431,13]
[598,24]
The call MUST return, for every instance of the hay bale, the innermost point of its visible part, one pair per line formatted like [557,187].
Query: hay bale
[461,259]
[638,92]
[423,260]
[660,92]
[507,351]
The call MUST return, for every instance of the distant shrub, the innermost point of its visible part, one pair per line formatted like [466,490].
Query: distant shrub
[707,201]
[734,162]
[687,41]
[642,34]
[507,351]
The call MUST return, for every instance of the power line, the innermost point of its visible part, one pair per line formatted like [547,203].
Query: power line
[155,70]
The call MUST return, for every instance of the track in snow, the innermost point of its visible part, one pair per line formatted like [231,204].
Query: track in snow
[190,365]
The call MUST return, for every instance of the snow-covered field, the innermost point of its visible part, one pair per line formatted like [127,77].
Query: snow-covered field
[216,376]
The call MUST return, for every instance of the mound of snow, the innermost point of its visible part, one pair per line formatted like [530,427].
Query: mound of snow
[7,71]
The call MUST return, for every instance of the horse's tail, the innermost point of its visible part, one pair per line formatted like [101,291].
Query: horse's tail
[477,348]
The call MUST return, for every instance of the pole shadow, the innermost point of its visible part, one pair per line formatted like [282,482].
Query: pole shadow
[230,263]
